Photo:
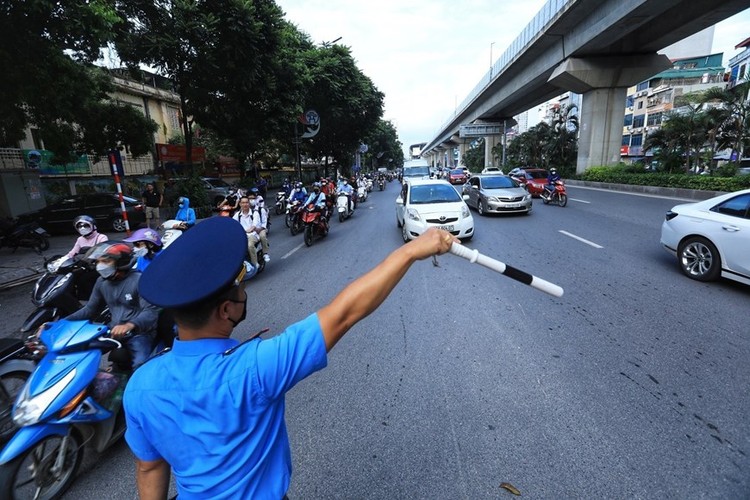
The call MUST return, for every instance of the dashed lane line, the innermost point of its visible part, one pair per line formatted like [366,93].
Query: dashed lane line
[580,239]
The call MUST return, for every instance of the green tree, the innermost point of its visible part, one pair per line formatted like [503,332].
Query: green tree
[734,130]
[232,63]
[384,148]
[349,104]
[48,80]
[474,157]
[562,148]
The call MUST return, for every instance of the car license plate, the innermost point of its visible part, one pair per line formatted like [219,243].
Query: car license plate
[448,228]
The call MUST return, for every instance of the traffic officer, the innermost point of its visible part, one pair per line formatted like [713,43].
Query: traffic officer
[212,408]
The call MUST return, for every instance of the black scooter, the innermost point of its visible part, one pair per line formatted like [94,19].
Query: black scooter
[15,234]
[60,290]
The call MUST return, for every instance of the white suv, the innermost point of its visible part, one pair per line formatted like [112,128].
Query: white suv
[425,203]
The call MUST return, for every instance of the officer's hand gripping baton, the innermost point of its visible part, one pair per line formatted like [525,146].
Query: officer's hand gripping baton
[474,256]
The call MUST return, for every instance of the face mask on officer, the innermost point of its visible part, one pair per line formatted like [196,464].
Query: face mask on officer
[181,204]
[244,311]
[105,270]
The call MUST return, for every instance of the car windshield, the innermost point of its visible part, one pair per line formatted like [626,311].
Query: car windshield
[458,171]
[537,174]
[498,182]
[433,193]
[416,171]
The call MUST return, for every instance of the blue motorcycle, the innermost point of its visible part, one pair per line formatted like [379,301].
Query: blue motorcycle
[66,403]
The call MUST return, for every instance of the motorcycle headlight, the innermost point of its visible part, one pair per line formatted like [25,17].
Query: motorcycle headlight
[28,411]
[465,211]
[413,214]
[60,283]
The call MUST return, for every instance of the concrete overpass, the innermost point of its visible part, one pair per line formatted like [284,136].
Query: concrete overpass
[597,48]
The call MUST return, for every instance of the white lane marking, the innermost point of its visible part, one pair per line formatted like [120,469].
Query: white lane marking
[579,201]
[580,239]
[290,252]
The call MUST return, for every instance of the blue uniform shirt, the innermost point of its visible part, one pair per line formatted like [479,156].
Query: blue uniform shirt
[218,419]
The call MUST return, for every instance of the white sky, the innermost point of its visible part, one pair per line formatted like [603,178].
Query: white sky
[427,55]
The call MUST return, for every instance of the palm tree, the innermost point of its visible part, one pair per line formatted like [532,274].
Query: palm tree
[734,131]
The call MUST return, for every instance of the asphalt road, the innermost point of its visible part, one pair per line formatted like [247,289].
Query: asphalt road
[632,385]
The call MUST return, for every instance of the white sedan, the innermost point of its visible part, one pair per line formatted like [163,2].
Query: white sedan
[425,203]
[711,238]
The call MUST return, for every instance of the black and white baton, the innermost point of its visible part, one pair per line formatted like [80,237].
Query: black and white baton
[474,256]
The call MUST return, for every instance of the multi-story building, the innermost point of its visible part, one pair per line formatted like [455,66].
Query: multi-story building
[649,101]
[739,65]
[26,177]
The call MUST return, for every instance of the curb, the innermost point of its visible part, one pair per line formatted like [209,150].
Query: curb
[689,194]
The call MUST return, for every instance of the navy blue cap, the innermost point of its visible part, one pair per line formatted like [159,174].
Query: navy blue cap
[201,263]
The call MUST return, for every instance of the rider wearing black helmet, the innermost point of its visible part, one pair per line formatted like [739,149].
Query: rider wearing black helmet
[117,288]
[551,179]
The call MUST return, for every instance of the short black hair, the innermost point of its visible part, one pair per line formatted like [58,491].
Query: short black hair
[197,315]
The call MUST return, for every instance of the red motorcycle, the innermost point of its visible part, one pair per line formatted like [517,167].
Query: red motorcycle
[559,195]
[315,224]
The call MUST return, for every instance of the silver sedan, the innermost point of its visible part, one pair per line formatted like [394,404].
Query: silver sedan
[496,194]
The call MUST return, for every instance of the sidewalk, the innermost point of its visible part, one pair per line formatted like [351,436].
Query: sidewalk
[25,265]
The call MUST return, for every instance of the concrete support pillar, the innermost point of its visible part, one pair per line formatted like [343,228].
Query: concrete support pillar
[490,142]
[600,132]
[449,160]
[603,81]
[462,148]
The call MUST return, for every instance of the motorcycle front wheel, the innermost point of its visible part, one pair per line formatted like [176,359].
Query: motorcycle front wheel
[309,235]
[11,384]
[297,226]
[30,475]
[279,210]
[341,216]
[562,200]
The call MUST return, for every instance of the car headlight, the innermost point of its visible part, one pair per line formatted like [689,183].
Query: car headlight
[28,411]
[493,199]
[413,214]
[465,211]
[527,197]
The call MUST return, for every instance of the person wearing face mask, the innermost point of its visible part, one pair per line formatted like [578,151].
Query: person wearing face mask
[212,408]
[86,228]
[146,246]
[185,213]
[117,288]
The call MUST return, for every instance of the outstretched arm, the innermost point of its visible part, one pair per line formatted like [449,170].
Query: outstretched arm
[364,295]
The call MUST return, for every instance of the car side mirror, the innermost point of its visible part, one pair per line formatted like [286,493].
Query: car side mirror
[399,201]
[465,197]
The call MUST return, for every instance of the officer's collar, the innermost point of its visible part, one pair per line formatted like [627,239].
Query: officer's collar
[202,346]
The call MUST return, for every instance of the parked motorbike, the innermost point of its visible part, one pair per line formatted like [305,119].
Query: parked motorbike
[66,403]
[15,234]
[17,362]
[559,195]
[315,225]
[60,290]
[281,202]
[171,230]
[294,217]
[344,207]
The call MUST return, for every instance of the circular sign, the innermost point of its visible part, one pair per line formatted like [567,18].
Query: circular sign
[311,117]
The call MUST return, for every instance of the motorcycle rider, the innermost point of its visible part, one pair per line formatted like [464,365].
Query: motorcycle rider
[146,246]
[299,193]
[86,228]
[551,179]
[317,198]
[185,213]
[117,287]
[346,189]
[250,217]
